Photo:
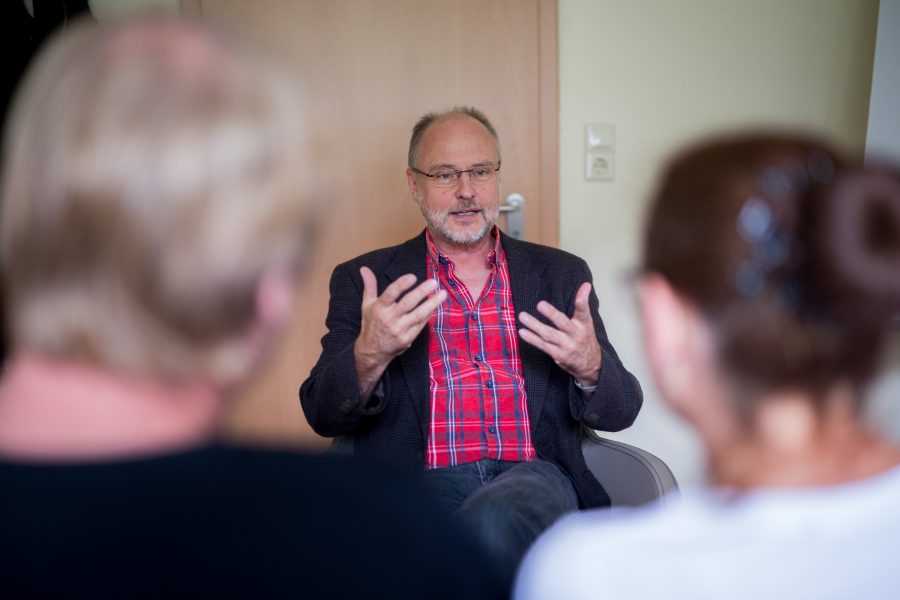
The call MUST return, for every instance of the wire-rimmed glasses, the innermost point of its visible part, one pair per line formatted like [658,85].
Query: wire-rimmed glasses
[478,175]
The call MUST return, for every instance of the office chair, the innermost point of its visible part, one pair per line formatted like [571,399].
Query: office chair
[631,476]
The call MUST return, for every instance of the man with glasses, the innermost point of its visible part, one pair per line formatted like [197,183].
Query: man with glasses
[435,373]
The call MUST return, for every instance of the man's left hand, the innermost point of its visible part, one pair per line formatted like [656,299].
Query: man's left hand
[571,343]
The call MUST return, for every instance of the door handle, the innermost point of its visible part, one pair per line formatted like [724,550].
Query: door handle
[514,207]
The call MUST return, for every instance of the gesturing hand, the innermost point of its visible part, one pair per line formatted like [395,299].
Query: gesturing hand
[390,323]
[571,343]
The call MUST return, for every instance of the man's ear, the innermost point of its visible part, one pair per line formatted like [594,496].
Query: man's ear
[669,329]
[413,186]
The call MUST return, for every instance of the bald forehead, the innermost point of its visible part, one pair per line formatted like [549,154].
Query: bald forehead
[457,133]
[456,122]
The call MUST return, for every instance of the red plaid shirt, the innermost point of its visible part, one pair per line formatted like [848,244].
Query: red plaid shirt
[478,405]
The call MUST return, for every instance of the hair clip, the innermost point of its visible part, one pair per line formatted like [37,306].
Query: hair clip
[820,166]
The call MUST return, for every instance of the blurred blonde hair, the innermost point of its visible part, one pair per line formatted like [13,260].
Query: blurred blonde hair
[154,173]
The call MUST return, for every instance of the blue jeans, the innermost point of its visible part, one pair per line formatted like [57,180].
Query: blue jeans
[507,505]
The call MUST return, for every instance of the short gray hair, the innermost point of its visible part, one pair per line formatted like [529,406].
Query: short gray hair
[422,125]
[146,192]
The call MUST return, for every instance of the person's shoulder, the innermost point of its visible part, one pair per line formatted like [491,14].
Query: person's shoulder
[293,515]
[380,510]
[333,472]
[538,250]
[541,255]
[336,487]
[600,531]
[384,256]
[609,549]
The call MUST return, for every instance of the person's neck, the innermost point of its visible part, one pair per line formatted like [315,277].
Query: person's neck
[64,410]
[791,444]
[465,255]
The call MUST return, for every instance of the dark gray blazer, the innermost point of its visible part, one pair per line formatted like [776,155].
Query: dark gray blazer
[394,422]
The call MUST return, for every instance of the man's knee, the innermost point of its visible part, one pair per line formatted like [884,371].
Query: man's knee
[542,487]
[526,499]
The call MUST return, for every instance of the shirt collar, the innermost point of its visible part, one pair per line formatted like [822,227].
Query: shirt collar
[440,258]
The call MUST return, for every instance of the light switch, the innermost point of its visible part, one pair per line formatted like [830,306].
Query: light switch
[599,152]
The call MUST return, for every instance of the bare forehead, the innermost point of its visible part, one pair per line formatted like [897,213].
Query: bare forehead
[458,134]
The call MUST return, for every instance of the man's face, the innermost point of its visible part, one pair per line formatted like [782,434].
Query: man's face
[464,212]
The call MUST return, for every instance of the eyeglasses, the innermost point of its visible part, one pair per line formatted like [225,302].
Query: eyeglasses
[448,177]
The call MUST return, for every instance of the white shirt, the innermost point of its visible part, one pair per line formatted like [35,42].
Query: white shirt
[836,542]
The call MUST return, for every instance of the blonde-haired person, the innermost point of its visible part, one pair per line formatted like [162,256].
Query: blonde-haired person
[155,222]
[771,273]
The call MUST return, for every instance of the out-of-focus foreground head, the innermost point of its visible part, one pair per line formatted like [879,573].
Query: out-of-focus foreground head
[790,253]
[153,184]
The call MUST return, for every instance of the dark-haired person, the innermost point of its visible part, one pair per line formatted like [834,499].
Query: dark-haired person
[154,225]
[433,374]
[771,271]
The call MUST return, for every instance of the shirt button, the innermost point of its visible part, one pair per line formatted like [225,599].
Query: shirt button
[491,429]
[478,358]
[489,384]
[452,283]
[474,317]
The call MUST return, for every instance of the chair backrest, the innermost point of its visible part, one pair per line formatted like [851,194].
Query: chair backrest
[631,476]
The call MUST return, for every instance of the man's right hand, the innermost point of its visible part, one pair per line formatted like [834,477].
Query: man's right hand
[390,323]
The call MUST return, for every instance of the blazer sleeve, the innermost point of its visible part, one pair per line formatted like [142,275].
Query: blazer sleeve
[618,398]
[330,395]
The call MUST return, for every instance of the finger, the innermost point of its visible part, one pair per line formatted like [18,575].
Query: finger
[370,285]
[557,317]
[582,304]
[416,295]
[546,332]
[396,289]
[538,342]
[420,315]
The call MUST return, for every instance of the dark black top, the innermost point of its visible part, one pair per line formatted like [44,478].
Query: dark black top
[395,421]
[230,522]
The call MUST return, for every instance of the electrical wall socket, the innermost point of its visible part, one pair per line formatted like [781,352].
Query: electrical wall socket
[599,152]
[599,166]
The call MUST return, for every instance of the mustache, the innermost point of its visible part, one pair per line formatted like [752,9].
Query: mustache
[464,207]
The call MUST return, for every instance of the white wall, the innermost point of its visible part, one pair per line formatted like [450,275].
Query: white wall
[663,73]
[884,111]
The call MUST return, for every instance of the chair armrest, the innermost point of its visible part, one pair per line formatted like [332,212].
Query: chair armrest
[631,476]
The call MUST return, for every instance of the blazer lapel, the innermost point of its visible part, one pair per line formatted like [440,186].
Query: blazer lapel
[410,258]
[526,276]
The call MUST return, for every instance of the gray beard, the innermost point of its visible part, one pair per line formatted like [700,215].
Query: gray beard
[437,222]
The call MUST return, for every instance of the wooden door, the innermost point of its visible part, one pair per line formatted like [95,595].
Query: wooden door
[369,69]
